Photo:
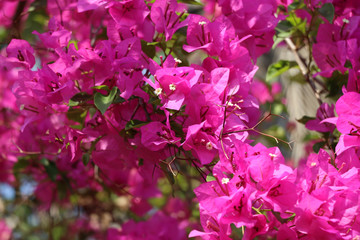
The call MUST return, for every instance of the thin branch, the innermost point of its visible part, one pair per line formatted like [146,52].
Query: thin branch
[259,132]
[303,68]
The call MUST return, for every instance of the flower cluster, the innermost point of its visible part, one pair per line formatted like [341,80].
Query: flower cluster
[106,100]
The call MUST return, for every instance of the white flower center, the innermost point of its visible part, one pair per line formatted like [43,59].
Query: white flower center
[209,146]
[202,23]
[172,87]
[177,60]
[158,91]
[225,180]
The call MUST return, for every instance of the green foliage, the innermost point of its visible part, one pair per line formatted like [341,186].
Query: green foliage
[103,102]
[328,12]
[278,68]
[305,119]
[210,178]
[50,168]
[78,115]
[134,124]
[79,98]
[317,146]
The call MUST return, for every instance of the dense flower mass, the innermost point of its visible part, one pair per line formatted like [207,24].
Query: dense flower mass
[132,105]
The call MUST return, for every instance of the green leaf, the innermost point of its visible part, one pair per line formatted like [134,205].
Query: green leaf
[299,78]
[278,68]
[50,168]
[328,12]
[134,124]
[284,26]
[20,164]
[152,43]
[335,83]
[103,102]
[210,178]
[298,23]
[85,158]
[58,232]
[92,112]
[76,114]
[317,146]
[61,189]
[277,215]
[193,2]
[295,5]
[119,99]
[79,98]
[148,49]
[305,119]
[177,128]
[102,87]
[75,44]
[128,133]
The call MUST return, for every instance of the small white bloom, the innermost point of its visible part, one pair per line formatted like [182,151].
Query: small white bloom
[209,146]
[313,164]
[346,20]
[237,106]
[202,23]
[158,91]
[172,87]
[272,155]
[230,104]
[225,180]
[177,60]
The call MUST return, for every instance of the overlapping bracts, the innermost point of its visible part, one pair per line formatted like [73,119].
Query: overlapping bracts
[108,100]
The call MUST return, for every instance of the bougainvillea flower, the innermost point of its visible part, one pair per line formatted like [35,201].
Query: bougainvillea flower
[324,112]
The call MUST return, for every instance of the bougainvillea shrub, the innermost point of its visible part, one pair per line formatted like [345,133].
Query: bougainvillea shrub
[144,119]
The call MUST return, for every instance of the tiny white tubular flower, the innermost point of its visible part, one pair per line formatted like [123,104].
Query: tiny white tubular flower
[172,87]
[202,23]
[158,91]
[225,180]
[230,104]
[177,60]
[313,164]
[237,106]
[209,146]
[346,20]
[272,155]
